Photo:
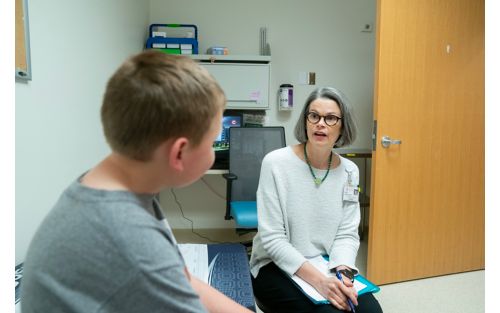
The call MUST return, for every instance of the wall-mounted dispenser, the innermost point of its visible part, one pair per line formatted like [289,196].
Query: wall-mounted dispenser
[285,97]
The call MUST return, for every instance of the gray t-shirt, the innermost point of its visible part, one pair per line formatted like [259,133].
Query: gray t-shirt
[105,251]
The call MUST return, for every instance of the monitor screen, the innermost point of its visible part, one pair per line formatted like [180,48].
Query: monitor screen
[222,141]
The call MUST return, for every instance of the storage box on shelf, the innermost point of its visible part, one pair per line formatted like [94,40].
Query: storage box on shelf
[160,40]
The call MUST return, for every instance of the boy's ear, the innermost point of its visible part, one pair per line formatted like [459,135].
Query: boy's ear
[177,153]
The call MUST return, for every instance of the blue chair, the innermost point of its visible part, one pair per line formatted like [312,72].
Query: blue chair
[247,148]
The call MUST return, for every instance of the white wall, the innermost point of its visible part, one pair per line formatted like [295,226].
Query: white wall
[322,36]
[75,47]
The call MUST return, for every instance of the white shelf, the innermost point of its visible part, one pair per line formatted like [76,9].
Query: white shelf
[231,57]
[216,172]
[345,151]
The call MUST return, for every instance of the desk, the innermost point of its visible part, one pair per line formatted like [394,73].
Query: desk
[216,172]
[229,272]
[354,153]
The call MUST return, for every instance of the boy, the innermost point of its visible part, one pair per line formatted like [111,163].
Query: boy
[105,246]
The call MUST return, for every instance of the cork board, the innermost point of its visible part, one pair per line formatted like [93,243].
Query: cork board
[23,66]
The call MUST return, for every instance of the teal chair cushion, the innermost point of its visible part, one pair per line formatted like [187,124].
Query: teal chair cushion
[244,213]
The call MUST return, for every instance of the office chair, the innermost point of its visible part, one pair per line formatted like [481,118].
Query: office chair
[247,148]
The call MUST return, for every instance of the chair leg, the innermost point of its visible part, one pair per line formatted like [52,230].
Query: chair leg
[247,243]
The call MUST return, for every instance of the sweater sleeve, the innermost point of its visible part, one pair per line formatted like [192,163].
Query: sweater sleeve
[346,243]
[272,221]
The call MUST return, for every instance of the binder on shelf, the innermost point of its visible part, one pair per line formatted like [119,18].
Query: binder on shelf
[173,45]
[361,284]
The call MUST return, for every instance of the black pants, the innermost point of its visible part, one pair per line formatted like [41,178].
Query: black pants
[276,293]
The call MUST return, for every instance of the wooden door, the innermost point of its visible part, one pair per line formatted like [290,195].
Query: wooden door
[427,210]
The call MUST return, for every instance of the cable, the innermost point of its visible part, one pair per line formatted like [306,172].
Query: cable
[190,220]
[213,190]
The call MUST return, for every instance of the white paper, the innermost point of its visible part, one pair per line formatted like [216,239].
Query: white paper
[322,265]
[196,258]
[359,285]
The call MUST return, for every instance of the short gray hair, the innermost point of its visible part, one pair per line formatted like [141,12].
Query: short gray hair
[347,133]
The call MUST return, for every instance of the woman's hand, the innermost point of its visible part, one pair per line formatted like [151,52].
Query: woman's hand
[337,292]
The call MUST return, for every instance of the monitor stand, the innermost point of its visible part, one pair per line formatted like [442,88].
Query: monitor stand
[220,164]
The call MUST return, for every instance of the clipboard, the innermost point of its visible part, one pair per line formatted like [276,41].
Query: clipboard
[361,283]
[370,287]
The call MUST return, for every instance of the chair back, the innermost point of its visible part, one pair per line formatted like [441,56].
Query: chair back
[247,148]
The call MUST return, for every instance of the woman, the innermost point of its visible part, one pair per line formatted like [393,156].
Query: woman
[307,206]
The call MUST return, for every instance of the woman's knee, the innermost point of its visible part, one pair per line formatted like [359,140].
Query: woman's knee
[367,303]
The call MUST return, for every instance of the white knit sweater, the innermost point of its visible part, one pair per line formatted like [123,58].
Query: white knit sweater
[298,220]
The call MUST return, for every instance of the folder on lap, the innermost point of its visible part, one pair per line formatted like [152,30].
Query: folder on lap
[361,284]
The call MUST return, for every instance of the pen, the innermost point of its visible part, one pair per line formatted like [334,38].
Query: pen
[339,276]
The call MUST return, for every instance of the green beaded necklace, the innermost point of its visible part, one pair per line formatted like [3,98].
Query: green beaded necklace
[317,180]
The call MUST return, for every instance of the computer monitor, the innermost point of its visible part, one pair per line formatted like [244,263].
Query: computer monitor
[221,143]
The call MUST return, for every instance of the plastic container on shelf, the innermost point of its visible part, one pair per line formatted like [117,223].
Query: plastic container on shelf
[218,50]
[186,43]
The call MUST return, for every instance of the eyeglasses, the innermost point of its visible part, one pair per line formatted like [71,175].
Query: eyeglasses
[330,120]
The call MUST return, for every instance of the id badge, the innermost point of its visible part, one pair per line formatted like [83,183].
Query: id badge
[351,191]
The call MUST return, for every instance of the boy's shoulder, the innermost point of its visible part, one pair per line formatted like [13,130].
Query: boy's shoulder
[126,219]
[113,238]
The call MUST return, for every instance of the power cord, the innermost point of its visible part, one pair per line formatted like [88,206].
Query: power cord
[212,189]
[190,220]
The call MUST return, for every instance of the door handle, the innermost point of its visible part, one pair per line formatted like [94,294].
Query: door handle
[387,141]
